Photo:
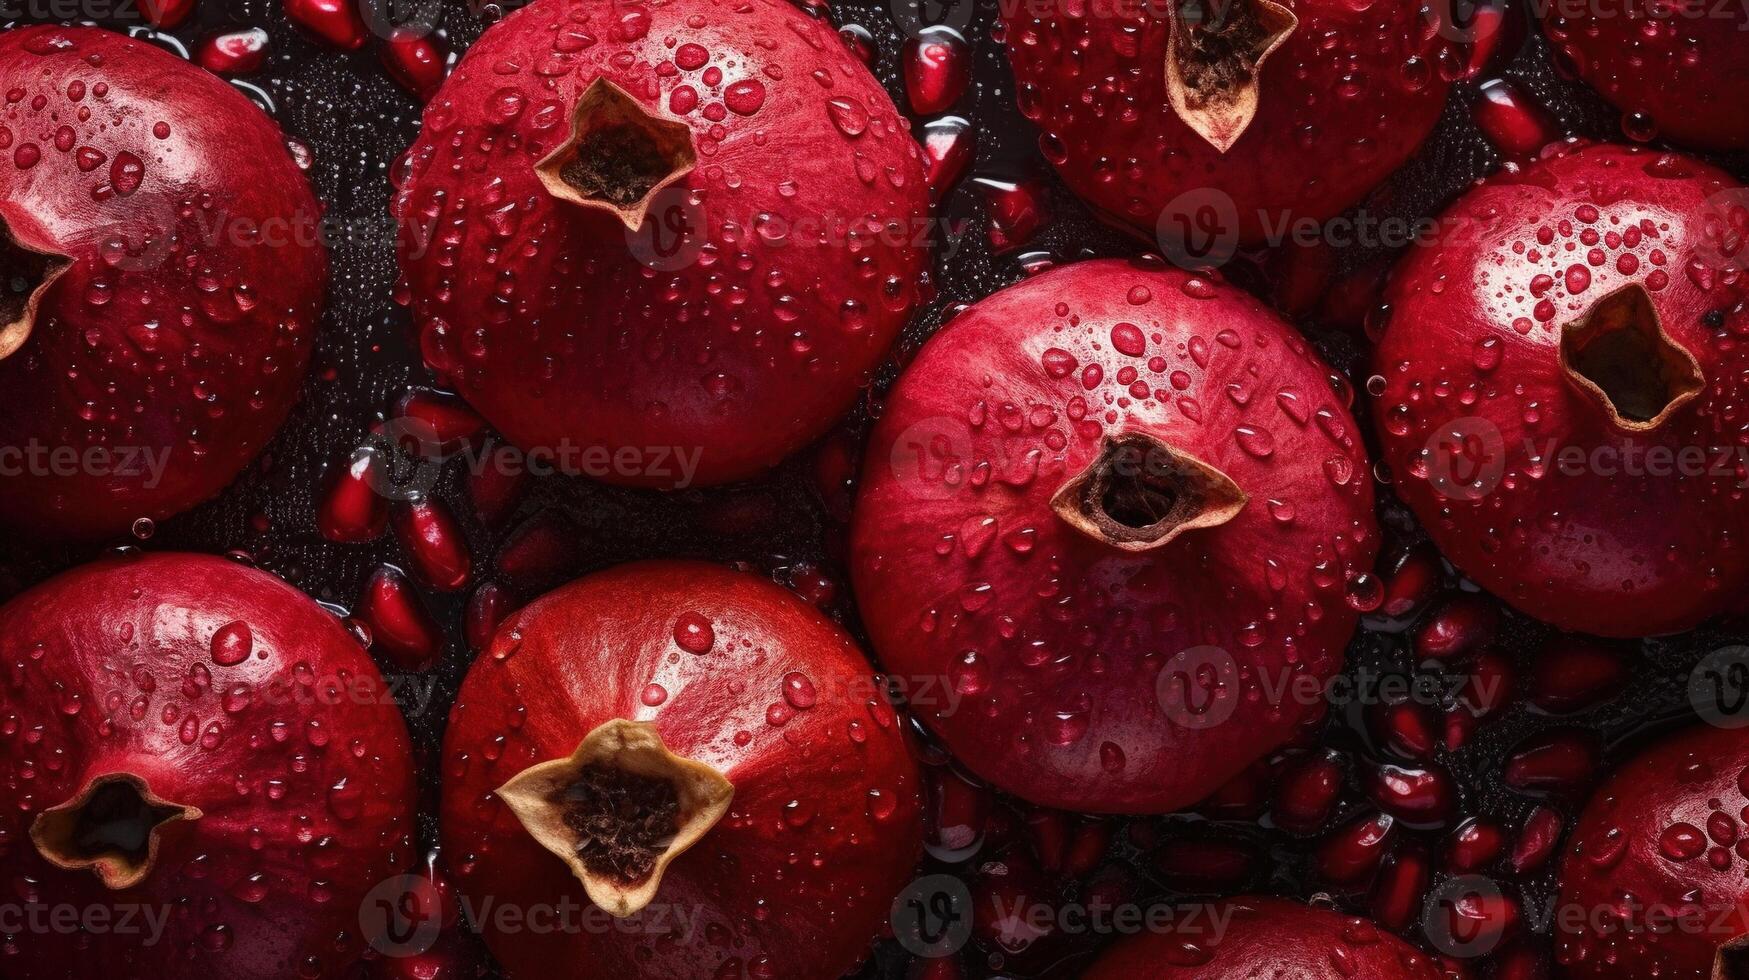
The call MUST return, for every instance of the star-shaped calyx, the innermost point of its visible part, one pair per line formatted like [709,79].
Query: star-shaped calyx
[619,157]
[1619,356]
[1214,63]
[113,827]
[1140,494]
[26,275]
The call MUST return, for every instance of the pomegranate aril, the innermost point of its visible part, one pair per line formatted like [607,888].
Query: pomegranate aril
[1572,674]
[445,418]
[1515,125]
[415,60]
[1204,865]
[1406,729]
[1308,793]
[352,510]
[1560,763]
[538,552]
[1481,920]
[496,485]
[334,22]
[1537,840]
[949,144]
[1087,848]
[233,53]
[937,67]
[167,13]
[488,607]
[1049,832]
[1409,588]
[1461,626]
[954,815]
[1396,895]
[1352,853]
[399,624]
[1422,798]
[1017,210]
[1477,843]
[434,543]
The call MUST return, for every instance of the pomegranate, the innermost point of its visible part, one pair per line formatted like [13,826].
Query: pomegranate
[1559,380]
[1678,71]
[702,755]
[1253,938]
[1256,113]
[1653,884]
[1117,516]
[159,282]
[196,745]
[661,244]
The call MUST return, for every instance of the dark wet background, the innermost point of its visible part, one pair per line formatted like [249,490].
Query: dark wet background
[355,120]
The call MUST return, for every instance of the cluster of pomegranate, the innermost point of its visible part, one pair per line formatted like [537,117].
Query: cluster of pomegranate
[744,584]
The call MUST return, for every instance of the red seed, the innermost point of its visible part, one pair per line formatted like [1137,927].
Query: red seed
[488,607]
[1561,763]
[1308,793]
[1475,844]
[1411,586]
[1463,625]
[1537,841]
[167,13]
[233,53]
[1406,729]
[352,510]
[415,61]
[1517,126]
[335,22]
[435,546]
[1087,848]
[1352,853]
[400,626]
[949,144]
[1049,831]
[443,418]
[538,552]
[1396,896]
[495,486]
[1017,211]
[937,64]
[955,816]
[1421,798]
[1573,673]
[1204,865]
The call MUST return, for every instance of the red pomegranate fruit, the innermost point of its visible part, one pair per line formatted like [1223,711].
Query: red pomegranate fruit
[1677,70]
[1560,386]
[693,760]
[160,282]
[662,244]
[1163,117]
[201,761]
[1113,520]
[1653,883]
[1255,938]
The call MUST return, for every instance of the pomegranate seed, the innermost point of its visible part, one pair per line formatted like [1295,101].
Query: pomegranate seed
[335,22]
[1573,674]
[496,486]
[1475,844]
[1421,798]
[538,552]
[400,626]
[1537,841]
[1087,848]
[1515,125]
[1555,763]
[955,818]
[1396,895]
[451,421]
[1353,852]
[1017,211]
[1521,961]
[937,66]
[1308,793]
[1488,686]
[415,61]
[1481,920]
[1461,626]
[1409,588]
[434,543]
[351,510]
[949,144]
[1405,729]
[488,607]
[233,52]
[167,13]
[1049,831]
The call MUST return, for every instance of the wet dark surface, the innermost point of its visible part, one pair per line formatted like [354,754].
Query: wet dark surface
[354,120]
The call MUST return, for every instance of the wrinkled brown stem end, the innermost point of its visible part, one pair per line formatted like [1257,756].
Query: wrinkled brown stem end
[618,157]
[1731,962]
[618,810]
[112,827]
[1619,355]
[1214,63]
[1141,494]
[25,277]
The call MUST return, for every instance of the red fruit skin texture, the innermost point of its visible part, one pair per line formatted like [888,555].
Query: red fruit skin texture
[1260,938]
[834,781]
[1047,646]
[1682,68]
[1472,349]
[1345,100]
[177,329]
[799,268]
[296,756]
[1662,833]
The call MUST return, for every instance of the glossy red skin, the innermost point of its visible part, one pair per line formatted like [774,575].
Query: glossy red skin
[1107,620]
[1259,938]
[1685,67]
[1095,86]
[131,639]
[802,899]
[561,336]
[1630,555]
[222,377]
[1616,853]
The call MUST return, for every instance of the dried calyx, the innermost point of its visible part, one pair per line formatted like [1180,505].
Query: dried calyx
[1731,962]
[112,827]
[619,156]
[1619,355]
[25,277]
[1214,63]
[618,810]
[1139,494]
